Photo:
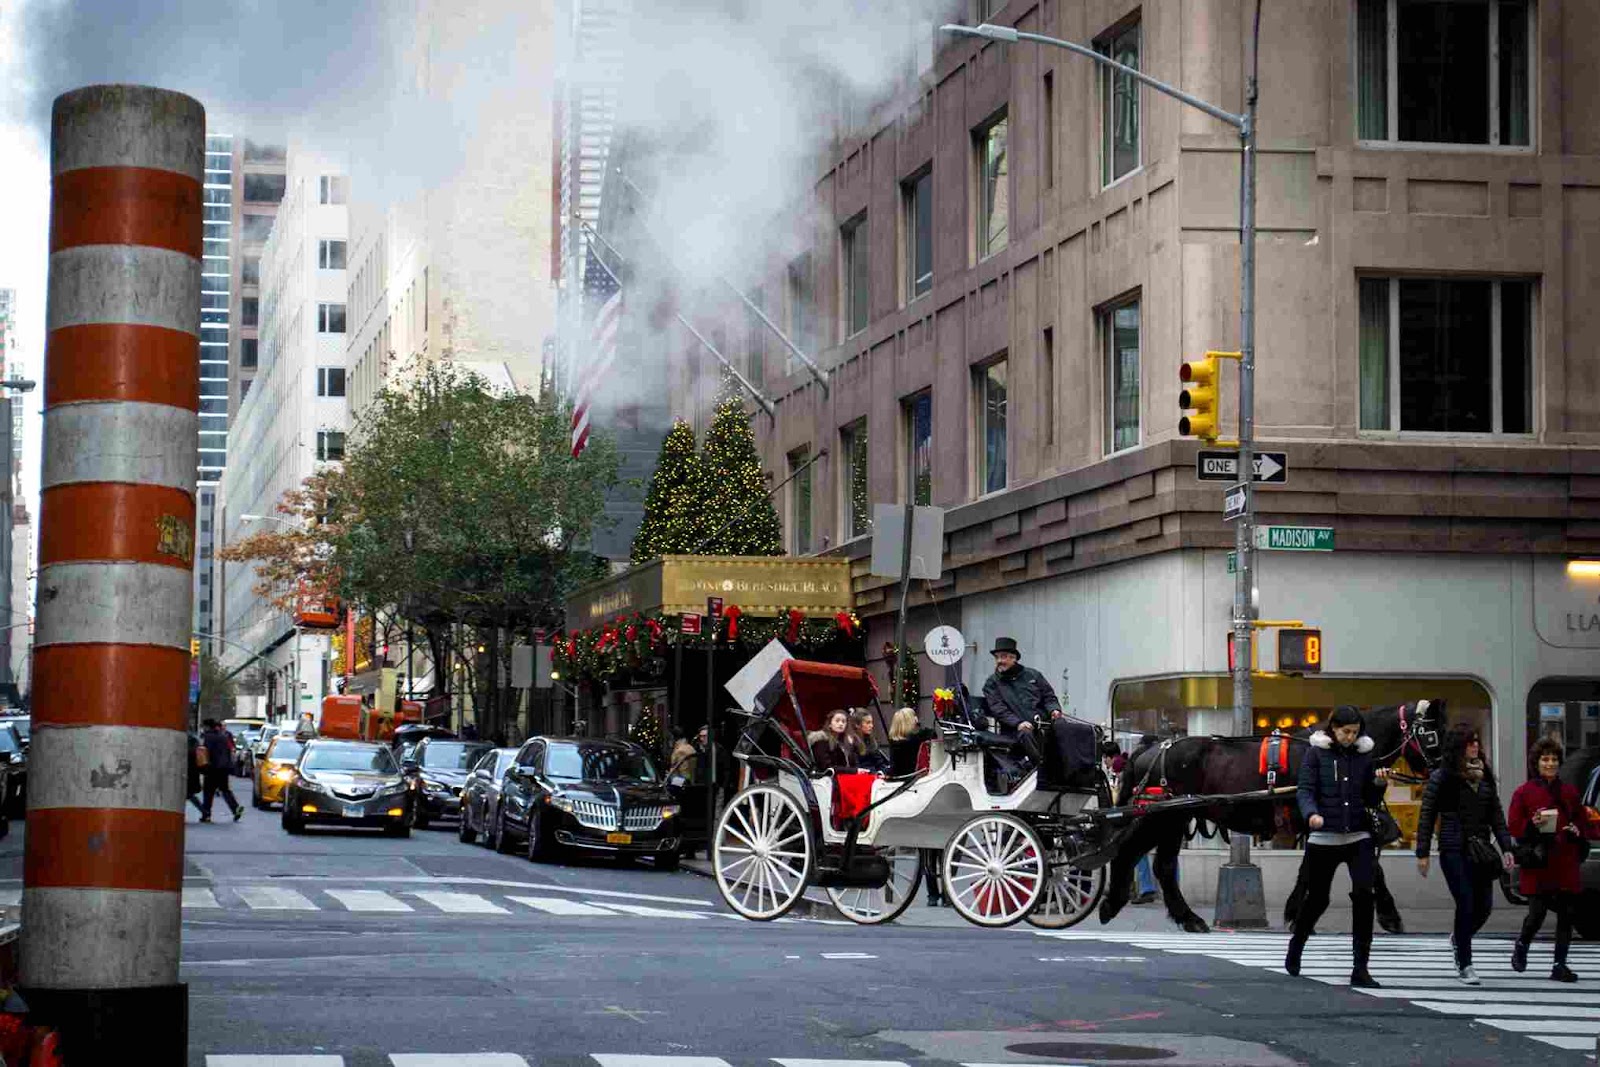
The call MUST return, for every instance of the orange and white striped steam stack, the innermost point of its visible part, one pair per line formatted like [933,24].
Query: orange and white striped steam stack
[103,870]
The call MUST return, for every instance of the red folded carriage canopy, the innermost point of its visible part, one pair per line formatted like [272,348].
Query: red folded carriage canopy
[812,690]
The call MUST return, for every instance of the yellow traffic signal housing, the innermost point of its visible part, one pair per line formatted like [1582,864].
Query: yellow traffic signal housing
[1199,395]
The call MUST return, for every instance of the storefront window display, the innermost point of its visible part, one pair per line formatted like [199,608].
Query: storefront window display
[1566,710]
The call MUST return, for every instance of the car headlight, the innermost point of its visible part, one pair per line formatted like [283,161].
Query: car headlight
[394,790]
[311,785]
[561,802]
[283,774]
[669,810]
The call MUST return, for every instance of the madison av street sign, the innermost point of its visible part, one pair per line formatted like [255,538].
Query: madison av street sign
[1295,538]
[1271,467]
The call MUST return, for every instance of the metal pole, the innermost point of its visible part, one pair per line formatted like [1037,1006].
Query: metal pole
[103,872]
[900,622]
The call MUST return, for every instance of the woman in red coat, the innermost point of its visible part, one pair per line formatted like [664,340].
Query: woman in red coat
[1545,807]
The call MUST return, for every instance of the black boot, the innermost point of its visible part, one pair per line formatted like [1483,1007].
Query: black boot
[1519,956]
[1562,973]
[1291,960]
[1361,939]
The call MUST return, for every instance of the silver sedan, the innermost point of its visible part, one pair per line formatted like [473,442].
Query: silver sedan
[480,796]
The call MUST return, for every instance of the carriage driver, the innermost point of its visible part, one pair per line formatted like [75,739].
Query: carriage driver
[1015,695]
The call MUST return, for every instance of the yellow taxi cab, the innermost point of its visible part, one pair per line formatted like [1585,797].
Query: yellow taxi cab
[274,769]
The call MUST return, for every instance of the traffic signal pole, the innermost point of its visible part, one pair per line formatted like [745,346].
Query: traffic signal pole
[1241,901]
[103,861]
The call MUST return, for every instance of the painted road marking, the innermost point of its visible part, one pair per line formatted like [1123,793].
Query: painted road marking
[367,900]
[459,903]
[502,883]
[664,913]
[470,1059]
[611,1060]
[848,956]
[199,897]
[274,898]
[556,906]
[274,1061]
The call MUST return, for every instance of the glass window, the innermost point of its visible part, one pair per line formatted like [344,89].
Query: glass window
[917,198]
[244,388]
[1047,129]
[248,350]
[330,381]
[1119,105]
[802,315]
[1465,355]
[250,273]
[598,761]
[322,756]
[330,446]
[330,318]
[993,188]
[332,189]
[1567,710]
[1444,71]
[853,239]
[756,341]
[1120,329]
[250,311]
[1047,385]
[439,755]
[256,228]
[991,435]
[800,470]
[330,255]
[919,448]
[264,188]
[857,503]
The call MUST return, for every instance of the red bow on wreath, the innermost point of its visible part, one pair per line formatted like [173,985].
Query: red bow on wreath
[632,633]
[655,629]
[845,623]
[795,617]
[732,613]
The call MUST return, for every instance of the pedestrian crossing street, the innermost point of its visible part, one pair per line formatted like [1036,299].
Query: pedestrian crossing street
[1422,972]
[509,1059]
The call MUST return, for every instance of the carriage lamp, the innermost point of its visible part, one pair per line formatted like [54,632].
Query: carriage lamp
[1285,721]
[1263,722]
[1583,568]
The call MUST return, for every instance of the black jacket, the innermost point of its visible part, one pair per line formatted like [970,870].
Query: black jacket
[1455,806]
[830,755]
[1017,696]
[903,753]
[219,753]
[1337,783]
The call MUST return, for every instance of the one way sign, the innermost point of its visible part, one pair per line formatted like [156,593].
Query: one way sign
[1271,467]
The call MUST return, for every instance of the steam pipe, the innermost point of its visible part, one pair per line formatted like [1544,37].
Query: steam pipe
[756,394]
[817,372]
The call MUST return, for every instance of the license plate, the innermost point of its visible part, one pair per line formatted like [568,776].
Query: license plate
[619,839]
[354,811]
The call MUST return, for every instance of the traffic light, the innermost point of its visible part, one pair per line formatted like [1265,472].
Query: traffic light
[1199,395]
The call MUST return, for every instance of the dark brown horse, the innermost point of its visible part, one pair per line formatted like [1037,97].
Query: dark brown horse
[1199,766]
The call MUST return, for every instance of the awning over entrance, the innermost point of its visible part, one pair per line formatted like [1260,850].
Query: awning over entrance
[675,585]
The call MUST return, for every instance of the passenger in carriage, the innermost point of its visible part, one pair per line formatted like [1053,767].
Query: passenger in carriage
[830,746]
[870,756]
[906,736]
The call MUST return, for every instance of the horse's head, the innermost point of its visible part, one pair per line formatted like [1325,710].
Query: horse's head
[1422,733]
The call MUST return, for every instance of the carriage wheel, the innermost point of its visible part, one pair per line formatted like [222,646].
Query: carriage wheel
[884,904]
[1070,894]
[994,870]
[763,853]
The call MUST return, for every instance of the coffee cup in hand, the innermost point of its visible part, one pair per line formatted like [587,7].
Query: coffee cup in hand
[1546,820]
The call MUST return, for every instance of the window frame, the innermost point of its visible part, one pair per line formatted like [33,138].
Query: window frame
[801,471]
[325,246]
[1103,44]
[1047,129]
[853,238]
[980,426]
[325,318]
[1496,361]
[908,449]
[1392,88]
[849,435]
[800,306]
[325,380]
[1105,317]
[909,233]
[324,438]
[983,246]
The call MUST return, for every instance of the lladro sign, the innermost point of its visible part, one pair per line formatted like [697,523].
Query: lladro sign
[1566,608]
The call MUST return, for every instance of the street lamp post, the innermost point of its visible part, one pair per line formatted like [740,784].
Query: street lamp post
[294,705]
[1241,901]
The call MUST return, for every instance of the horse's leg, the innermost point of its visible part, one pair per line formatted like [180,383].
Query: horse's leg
[1166,870]
[1120,876]
[1388,911]
[1297,895]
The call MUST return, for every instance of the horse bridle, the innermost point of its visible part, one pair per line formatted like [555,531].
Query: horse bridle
[1412,737]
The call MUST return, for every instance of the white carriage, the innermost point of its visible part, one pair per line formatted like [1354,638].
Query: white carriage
[1006,854]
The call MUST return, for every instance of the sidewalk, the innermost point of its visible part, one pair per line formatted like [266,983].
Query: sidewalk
[1152,918]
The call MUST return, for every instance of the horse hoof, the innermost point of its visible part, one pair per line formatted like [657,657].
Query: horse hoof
[1193,924]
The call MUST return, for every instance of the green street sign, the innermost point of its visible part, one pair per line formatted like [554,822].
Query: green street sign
[1233,563]
[1295,538]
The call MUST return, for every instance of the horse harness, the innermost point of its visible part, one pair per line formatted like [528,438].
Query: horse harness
[1410,734]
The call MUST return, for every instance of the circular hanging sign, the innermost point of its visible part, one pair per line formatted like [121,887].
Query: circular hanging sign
[944,645]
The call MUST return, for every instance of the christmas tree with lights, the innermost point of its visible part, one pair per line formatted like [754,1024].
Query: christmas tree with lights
[647,732]
[669,506]
[734,511]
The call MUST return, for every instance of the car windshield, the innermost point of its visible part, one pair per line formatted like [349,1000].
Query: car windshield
[504,762]
[597,762]
[22,726]
[8,742]
[451,755]
[286,748]
[349,758]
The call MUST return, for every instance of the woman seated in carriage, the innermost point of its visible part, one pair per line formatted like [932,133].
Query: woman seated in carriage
[832,747]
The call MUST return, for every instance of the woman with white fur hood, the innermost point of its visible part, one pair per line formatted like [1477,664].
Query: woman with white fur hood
[1338,783]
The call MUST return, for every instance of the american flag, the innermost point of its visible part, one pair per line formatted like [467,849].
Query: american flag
[601,288]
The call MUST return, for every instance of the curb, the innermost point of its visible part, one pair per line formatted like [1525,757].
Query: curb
[805,907]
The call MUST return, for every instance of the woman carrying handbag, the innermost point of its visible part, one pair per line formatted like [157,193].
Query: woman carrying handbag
[1474,844]
[1552,828]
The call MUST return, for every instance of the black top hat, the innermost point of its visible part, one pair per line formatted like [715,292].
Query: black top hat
[1006,644]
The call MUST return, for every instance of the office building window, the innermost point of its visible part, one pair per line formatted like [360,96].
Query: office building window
[800,470]
[244,388]
[1047,384]
[756,341]
[990,404]
[917,417]
[250,272]
[916,222]
[249,347]
[330,381]
[255,229]
[332,189]
[994,187]
[264,188]
[1047,132]
[330,255]
[330,445]
[1444,71]
[330,318]
[1119,331]
[250,311]
[802,309]
[1447,355]
[857,504]
[854,275]
[1119,104]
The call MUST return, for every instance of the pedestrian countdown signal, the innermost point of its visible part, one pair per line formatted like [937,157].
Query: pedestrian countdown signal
[1300,651]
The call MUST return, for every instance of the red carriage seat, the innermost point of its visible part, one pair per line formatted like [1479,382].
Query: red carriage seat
[852,794]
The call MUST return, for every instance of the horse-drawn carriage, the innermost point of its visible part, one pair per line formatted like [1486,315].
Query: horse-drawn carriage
[1011,850]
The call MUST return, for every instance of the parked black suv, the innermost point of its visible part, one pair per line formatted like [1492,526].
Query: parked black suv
[602,795]
[443,765]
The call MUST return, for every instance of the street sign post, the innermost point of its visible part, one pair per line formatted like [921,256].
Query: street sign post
[1271,468]
[1233,502]
[1295,538]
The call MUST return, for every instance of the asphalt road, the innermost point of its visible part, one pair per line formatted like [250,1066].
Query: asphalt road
[360,948]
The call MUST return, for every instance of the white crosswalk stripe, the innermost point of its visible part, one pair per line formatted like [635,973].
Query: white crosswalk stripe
[274,1061]
[656,913]
[458,903]
[198,896]
[274,898]
[367,900]
[510,1059]
[1420,970]
[558,906]
[625,1060]
[475,1059]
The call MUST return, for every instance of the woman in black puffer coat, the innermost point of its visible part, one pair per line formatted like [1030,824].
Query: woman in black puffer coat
[1474,843]
[1338,783]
